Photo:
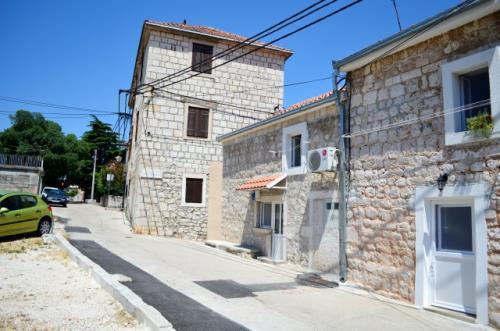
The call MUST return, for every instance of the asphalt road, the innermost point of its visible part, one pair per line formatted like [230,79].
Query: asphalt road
[200,288]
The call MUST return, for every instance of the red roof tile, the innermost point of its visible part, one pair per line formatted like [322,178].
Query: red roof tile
[207,30]
[304,103]
[260,182]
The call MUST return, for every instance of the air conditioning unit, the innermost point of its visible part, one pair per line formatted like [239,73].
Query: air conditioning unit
[323,159]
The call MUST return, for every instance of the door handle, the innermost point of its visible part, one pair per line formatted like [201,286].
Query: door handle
[38,211]
[17,215]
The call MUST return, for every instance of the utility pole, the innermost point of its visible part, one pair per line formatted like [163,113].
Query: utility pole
[342,177]
[92,200]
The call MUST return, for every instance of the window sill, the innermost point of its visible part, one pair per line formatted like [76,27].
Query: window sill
[203,75]
[295,171]
[263,230]
[197,139]
[192,204]
[457,138]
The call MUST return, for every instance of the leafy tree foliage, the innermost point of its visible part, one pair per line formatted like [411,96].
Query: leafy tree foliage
[65,156]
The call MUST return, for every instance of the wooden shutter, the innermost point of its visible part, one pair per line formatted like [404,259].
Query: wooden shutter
[202,53]
[194,190]
[198,122]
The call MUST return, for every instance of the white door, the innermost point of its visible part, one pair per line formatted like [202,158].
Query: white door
[278,240]
[452,269]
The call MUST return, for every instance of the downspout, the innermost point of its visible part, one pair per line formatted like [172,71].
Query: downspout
[343,175]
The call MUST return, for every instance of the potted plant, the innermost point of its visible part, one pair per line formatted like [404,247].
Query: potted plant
[480,125]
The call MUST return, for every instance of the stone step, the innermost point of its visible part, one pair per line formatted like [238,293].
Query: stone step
[246,252]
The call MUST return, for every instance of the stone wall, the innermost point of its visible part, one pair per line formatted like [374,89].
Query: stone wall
[252,155]
[162,153]
[387,165]
[19,179]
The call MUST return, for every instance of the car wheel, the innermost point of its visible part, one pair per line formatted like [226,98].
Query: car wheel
[44,226]
[65,205]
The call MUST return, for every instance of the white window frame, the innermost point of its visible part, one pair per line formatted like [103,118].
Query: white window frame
[203,191]
[286,148]
[426,199]
[272,200]
[452,92]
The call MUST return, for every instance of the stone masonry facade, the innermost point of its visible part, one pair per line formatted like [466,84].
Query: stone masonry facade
[387,165]
[161,154]
[251,154]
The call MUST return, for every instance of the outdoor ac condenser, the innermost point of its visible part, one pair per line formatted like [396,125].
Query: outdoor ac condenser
[323,159]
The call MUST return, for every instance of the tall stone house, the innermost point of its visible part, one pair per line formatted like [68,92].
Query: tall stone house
[174,166]
[272,199]
[424,193]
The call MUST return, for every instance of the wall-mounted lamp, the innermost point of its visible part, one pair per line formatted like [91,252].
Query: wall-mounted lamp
[441,181]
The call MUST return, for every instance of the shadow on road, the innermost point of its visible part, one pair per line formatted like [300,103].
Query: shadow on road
[183,312]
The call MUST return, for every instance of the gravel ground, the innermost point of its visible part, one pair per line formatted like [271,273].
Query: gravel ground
[42,289]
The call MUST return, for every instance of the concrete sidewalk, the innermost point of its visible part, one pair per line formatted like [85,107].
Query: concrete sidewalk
[247,293]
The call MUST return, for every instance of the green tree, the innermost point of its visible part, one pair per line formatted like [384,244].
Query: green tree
[65,156]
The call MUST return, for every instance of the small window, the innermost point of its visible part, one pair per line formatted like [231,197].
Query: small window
[265,215]
[11,203]
[296,160]
[194,190]
[454,229]
[202,58]
[27,201]
[475,89]
[197,122]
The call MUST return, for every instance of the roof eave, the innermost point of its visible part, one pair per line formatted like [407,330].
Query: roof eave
[277,118]
[471,12]
[285,52]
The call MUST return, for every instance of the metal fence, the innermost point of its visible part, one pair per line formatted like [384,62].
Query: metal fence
[21,160]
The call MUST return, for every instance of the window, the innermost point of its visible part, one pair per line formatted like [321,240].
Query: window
[265,215]
[11,203]
[194,190]
[198,122]
[27,201]
[470,80]
[294,149]
[202,58]
[278,218]
[296,154]
[475,90]
[454,229]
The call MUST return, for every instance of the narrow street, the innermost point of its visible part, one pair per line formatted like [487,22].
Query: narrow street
[198,287]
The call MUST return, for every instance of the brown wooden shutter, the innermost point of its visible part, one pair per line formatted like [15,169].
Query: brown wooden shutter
[198,122]
[194,190]
[202,53]
[191,125]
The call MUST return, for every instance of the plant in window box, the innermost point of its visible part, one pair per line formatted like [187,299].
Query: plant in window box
[480,125]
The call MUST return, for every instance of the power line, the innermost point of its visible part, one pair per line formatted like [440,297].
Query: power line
[273,41]
[52,105]
[62,114]
[397,13]
[247,42]
[270,87]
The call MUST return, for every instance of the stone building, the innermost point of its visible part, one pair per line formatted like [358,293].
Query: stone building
[423,220]
[21,173]
[174,166]
[272,200]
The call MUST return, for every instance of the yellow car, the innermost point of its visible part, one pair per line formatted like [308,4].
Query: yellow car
[24,213]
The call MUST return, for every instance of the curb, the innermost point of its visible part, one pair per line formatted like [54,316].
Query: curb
[130,301]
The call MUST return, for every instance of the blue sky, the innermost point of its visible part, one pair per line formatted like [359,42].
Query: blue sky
[80,53]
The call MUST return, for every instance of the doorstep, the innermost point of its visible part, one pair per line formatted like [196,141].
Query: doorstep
[269,260]
[246,252]
[453,314]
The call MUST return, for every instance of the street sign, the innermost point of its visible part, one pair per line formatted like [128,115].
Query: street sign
[110,177]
